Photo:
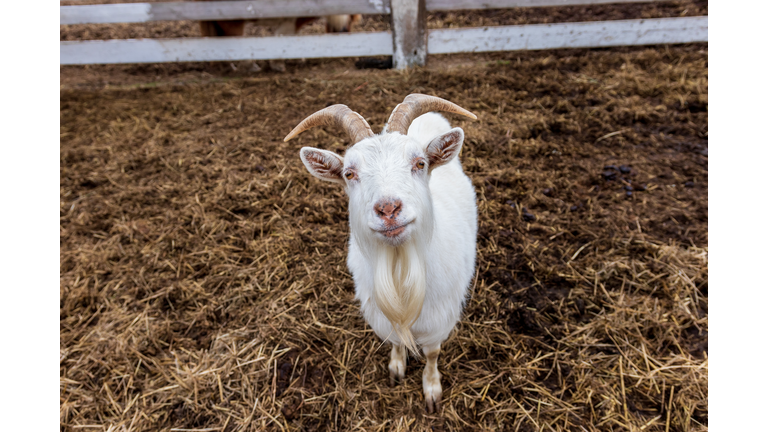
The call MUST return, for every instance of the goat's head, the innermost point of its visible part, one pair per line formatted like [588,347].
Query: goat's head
[386,176]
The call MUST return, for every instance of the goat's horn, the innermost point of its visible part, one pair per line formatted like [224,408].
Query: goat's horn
[336,115]
[415,105]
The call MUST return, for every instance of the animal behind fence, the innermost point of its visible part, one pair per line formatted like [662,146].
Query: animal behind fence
[283,27]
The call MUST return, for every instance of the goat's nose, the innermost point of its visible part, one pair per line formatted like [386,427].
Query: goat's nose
[388,208]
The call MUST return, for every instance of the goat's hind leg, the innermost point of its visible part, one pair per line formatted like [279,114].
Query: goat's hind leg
[397,362]
[433,392]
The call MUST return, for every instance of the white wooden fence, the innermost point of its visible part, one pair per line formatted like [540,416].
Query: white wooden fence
[408,43]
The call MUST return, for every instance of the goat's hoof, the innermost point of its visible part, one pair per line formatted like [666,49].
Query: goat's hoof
[433,394]
[396,373]
[277,65]
[395,378]
[433,404]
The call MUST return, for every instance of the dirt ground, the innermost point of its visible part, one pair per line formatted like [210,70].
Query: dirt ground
[203,277]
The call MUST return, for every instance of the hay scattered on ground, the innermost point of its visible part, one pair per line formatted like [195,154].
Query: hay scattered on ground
[203,277]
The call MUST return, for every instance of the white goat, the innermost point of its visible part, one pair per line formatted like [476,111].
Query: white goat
[413,221]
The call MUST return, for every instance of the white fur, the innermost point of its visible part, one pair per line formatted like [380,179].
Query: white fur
[411,286]
[450,253]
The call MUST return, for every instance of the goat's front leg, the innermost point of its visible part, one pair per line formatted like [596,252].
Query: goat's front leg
[397,362]
[433,392]
[287,27]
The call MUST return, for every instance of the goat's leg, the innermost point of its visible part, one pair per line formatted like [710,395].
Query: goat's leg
[397,362]
[287,27]
[433,392]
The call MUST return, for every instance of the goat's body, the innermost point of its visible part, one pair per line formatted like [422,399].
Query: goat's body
[450,253]
[413,225]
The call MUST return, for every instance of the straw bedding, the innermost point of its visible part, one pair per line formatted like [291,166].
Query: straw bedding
[203,278]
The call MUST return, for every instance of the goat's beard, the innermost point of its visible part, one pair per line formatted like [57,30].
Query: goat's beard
[399,286]
[399,272]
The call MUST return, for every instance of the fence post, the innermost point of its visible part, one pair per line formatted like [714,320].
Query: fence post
[409,33]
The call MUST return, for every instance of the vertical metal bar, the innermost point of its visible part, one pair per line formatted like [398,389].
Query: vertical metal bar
[409,33]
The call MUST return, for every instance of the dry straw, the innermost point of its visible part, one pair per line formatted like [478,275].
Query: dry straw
[203,277]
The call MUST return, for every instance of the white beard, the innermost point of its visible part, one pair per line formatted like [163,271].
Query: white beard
[400,282]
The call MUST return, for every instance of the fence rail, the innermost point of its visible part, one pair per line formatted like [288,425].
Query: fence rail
[230,48]
[409,43]
[224,10]
[569,35]
[449,41]
[227,10]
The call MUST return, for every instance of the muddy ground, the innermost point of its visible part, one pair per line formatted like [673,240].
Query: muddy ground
[203,277]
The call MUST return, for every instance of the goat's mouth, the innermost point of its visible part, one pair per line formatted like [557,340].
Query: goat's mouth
[393,232]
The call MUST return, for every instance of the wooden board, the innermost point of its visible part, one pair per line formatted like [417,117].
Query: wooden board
[229,48]
[172,11]
[409,29]
[502,38]
[196,11]
[569,35]
[433,5]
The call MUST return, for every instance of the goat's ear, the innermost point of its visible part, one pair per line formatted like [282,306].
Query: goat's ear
[444,148]
[323,164]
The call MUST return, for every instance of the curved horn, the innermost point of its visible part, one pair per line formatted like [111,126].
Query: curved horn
[336,115]
[417,104]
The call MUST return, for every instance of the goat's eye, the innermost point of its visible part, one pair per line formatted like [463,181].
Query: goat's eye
[349,175]
[420,164]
